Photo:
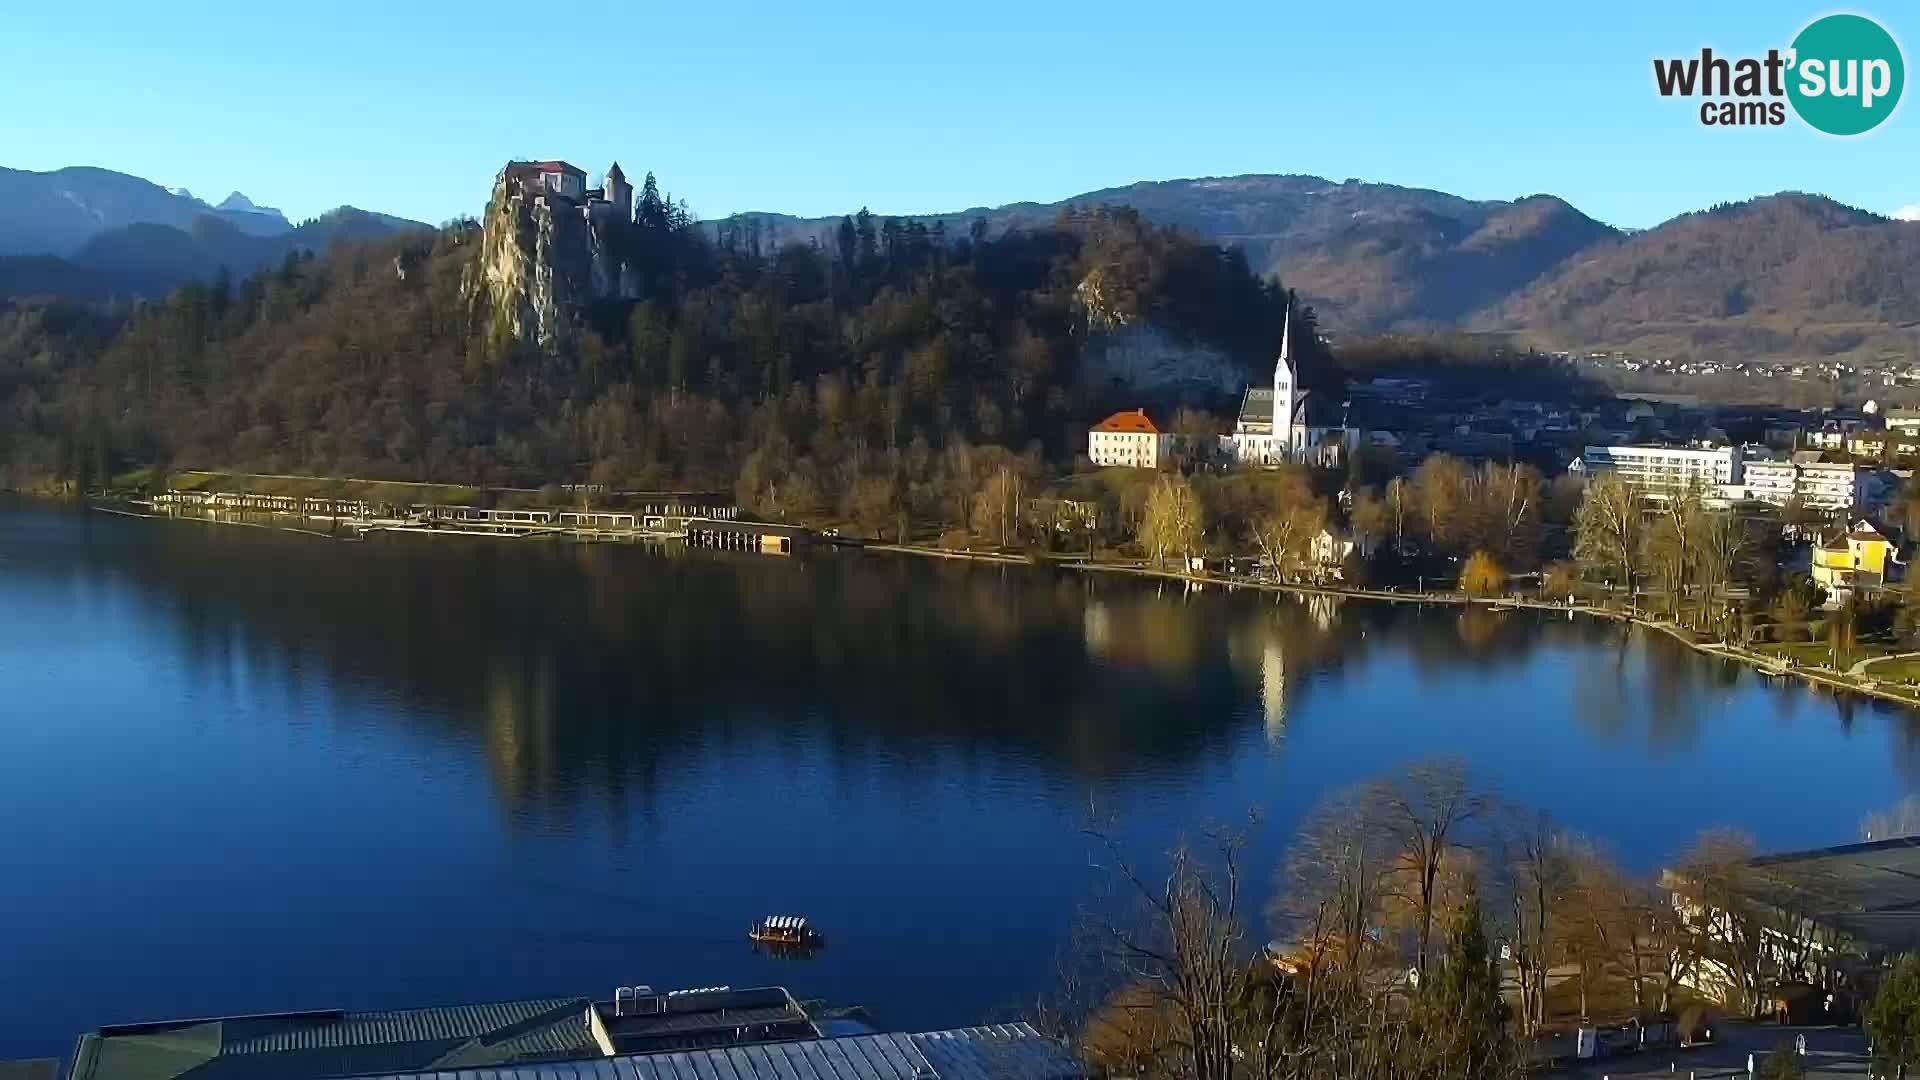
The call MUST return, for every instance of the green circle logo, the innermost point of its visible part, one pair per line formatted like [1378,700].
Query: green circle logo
[1847,74]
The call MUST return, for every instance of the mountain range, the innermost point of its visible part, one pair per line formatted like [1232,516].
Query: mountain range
[1786,275]
[94,233]
[1371,257]
[1790,275]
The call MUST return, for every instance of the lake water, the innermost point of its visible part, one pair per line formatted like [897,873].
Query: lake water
[243,770]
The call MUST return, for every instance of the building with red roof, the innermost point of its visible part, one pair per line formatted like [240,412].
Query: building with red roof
[1129,440]
[539,179]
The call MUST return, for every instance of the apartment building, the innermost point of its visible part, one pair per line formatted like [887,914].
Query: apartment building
[1660,470]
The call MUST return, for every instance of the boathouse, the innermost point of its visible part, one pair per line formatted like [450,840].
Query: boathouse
[765,537]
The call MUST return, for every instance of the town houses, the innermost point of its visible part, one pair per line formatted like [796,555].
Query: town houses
[1827,478]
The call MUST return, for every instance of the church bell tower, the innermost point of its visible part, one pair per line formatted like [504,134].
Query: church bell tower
[1285,396]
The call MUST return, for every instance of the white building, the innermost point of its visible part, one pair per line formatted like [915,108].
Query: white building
[1904,421]
[1273,428]
[1129,440]
[1660,470]
[1329,551]
[1820,485]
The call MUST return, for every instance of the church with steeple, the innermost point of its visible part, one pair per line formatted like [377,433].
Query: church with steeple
[1274,426]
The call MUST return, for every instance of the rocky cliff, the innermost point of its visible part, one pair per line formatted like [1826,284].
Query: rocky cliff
[1128,351]
[543,259]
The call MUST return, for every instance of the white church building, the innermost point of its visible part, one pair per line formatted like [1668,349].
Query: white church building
[1274,429]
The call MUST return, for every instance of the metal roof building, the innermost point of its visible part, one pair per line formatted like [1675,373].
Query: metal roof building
[1869,890]
[712,1034]
[1000,1052]
[333,1042]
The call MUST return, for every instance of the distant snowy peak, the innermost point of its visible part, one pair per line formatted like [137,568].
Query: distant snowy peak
[242,204]
[182,192]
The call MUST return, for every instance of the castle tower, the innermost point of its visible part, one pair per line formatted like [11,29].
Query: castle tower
[1285,395]
[619,192]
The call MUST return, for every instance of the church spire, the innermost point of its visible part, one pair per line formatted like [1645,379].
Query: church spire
[1286,335]
[1285,396]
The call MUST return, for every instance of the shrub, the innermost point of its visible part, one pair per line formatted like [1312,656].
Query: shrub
[1560,579]
[1483,575]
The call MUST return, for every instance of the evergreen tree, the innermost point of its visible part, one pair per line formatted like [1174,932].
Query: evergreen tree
[1893,1020]
[1460,1017]
[869,244]
[847,244]
[220,294]
[652,212]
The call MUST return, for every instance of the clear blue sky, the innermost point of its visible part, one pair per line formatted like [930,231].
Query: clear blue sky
[409,107]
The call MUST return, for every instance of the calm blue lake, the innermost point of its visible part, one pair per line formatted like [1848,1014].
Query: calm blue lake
[244,771]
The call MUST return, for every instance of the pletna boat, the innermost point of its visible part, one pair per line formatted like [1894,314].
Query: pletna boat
[788,930]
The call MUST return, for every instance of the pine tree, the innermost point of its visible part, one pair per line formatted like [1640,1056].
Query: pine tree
[1462,1021]
[846,244]
[869,243]
[652,212]
[1893,1020]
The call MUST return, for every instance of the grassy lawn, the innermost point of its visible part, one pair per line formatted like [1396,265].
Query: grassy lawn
[1805,652]
[379,491]
[1902,670]
[137,480]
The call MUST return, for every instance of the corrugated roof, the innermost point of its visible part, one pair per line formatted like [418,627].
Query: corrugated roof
[267,1035]
[292,1046]
[996,1053]
[1001,1052]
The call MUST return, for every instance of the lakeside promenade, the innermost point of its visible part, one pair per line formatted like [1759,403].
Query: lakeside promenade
[1854,679]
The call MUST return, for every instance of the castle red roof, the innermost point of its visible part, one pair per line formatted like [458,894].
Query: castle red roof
[559,167]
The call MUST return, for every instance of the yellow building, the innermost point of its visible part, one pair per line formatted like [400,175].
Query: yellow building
[1856,559]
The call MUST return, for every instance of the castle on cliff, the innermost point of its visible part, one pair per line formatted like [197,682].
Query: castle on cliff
[550,246]
[544,180]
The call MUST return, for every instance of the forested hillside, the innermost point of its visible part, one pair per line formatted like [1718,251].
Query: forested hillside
[878,378]
[1788,275]
[1370,256]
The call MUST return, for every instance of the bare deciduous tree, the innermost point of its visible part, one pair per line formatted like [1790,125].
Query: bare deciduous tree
[1428,810]
[1607,528]
[1285,536]
[1724,540]
[1900,819]
[1510,499]
[1188,961]
[996,509]
[1535,875]
[1174,520]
